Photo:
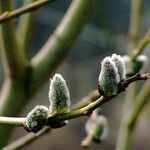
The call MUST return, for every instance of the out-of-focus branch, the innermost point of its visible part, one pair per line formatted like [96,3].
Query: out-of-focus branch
[130,120]
[134,33]
[12,57]
[25,27]
[135,21]
[12,121]
[136,52]
[58,45]
[23,141]
[7,15]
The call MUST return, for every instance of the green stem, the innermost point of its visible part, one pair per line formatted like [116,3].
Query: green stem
[30,137]
[91,97]
[58,45]
[12,57]
[131,117]
[25,27]
[141,101]
[134,33]
[135,22]
[7,15]
[12,121]
[12,98]
[141,46]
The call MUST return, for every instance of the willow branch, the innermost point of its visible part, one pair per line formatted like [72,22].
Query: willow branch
[25,27]
[141,46]
[12,121]
[85,111]
[91,97]
[130,120]
[58,45]
[12,58]
[30,137]
[141,101]
[23,141]
[135,21]
[7,15]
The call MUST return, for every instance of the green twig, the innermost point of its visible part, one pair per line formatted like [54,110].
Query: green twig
[141,100]
[25,27]
[12,121]
[130,120]
[84,111]
[141,46]
[58,45]
[13,59]
[134,33]
[7,15]
[91,97]
[30,137]
[135,21]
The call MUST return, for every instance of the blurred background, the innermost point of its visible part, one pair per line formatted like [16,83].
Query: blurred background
[105,33]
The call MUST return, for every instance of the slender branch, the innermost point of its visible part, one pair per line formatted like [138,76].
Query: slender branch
[58,45]
[134,33]
[141,46]
[84,111]
[135,21]
[12,121]
[30,137]
[25,27]
[134,78]
[91,97]
[12,58]
[141,100]
[130,120]
[28,8]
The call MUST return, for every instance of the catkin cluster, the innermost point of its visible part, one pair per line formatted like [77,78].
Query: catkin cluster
[59,98]
[112,72]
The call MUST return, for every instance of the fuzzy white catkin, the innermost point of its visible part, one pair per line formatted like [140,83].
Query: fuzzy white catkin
[36,119]
[100,127]
[59,96]
[120,64]
[109,78]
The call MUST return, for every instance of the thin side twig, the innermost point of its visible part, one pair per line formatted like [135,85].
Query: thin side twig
[25,27]
[136,52]
[91,97]
[30,137]
[130,120]
[25,9]
[135,22]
